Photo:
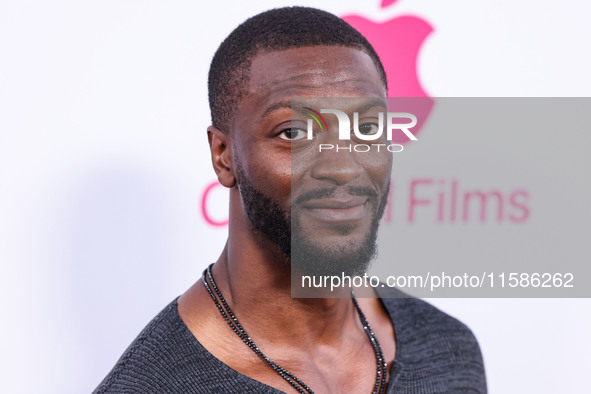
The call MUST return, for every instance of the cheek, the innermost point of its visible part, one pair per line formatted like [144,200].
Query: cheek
[271,172]
[302,156]
[378,166]
[301,161]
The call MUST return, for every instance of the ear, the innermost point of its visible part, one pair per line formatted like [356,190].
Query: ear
[221,156]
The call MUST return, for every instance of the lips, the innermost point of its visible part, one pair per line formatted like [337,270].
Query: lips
[349,208]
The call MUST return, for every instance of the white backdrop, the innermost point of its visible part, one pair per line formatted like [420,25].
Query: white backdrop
[104,161]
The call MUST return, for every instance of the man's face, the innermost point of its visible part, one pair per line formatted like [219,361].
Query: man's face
[321,208]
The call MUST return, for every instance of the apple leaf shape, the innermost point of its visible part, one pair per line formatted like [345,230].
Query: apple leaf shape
[386,3]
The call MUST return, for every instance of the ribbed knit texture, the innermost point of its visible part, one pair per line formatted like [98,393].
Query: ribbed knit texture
[435,353]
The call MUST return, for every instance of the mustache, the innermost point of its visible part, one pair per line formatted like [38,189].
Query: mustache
[316,194]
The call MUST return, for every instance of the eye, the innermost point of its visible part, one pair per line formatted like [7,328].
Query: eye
[293,134]
[368,128]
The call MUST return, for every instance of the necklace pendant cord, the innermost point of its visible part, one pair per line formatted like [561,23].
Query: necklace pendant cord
[293,380]
[233,322]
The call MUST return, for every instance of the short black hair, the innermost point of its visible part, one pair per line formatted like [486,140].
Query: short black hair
[276,29]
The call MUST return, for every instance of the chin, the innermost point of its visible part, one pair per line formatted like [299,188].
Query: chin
[331,258]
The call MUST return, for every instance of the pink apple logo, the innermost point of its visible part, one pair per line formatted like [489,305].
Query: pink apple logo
[397,42]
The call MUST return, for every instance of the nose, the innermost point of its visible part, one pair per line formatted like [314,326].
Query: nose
[339,166]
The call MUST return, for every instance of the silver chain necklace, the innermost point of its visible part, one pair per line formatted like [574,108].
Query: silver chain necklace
[293,380]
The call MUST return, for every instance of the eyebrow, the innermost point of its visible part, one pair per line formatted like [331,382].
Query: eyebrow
[277,106]
[372,103]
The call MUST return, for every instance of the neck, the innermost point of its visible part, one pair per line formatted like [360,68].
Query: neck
[257,284]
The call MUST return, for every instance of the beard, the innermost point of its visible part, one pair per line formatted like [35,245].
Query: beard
[307,256]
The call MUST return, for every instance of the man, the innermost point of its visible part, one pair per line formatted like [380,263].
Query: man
[237,329]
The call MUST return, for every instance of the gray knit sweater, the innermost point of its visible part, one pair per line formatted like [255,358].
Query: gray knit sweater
[435,353]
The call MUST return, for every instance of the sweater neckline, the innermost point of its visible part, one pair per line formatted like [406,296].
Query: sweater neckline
[394,371]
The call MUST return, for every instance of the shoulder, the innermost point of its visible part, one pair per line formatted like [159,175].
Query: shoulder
[167,358]
[417,318]
[432,343]
[147,361]
[415,313]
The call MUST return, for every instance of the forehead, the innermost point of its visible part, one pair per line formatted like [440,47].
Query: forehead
[319,71]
